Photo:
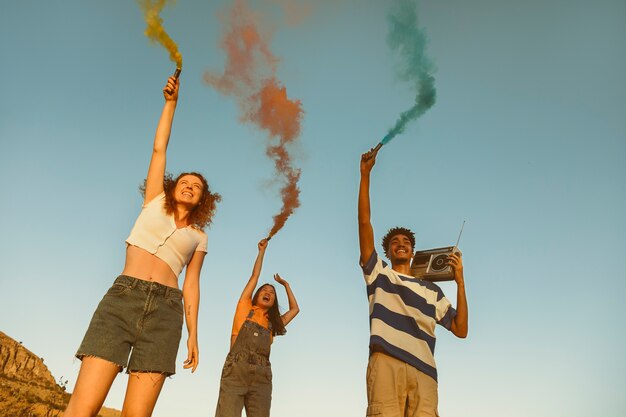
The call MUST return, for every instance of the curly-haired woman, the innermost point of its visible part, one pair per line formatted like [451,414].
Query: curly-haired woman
[247,375]
[138,323]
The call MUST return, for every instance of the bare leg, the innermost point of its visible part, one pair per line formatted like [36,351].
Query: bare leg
[142,393]
[92,386]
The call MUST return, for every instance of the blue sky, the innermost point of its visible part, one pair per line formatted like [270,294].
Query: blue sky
[526,142]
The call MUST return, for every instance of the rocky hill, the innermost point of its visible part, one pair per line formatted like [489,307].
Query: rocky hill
[27,388]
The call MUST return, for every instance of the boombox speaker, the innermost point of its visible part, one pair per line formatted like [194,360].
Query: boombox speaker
[431,264]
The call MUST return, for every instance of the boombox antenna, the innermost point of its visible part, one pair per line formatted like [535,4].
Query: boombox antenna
[460,233]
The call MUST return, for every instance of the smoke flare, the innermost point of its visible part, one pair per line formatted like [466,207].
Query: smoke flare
[250,76]
[154,28]
[409,42]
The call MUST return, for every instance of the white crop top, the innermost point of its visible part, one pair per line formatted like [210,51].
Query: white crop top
[156,232]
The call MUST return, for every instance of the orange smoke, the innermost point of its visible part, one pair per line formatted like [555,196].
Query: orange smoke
[276,113]
[295,12]
[154,28]
[281,117]
[250,76]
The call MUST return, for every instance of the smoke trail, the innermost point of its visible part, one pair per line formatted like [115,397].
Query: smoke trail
[409,42]
[154,28]
[295,12]
[250,76]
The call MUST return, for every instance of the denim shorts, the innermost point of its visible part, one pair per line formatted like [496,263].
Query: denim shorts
[137,316]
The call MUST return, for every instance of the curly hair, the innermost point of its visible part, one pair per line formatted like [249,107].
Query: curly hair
[202,215]
[397,231]
[278,327]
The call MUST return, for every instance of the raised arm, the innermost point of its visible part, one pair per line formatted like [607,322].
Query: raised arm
[366,232]
[156,170]
[293,304]
[191,301]
[248,290]
[459,322]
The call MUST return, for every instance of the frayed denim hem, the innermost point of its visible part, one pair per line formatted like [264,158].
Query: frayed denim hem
[141,371]
[80,357]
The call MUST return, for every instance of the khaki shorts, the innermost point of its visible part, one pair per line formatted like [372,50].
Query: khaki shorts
[137,316]
[396,389]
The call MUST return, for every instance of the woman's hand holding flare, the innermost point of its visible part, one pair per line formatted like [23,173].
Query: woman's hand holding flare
[170,91]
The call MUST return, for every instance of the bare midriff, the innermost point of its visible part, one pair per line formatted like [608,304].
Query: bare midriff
[141,264]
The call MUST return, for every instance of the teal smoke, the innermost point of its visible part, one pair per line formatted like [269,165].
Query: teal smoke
[409,42]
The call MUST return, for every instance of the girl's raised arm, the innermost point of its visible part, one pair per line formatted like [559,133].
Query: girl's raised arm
[293,304]
[248,290]
[156,170]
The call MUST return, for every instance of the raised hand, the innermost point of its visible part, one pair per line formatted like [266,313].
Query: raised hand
[278,279]
[170,91]
[368,159]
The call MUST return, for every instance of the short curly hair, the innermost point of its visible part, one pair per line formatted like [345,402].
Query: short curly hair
[202,214]
[397,231]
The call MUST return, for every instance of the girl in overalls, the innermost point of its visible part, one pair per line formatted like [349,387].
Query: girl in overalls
[247,375]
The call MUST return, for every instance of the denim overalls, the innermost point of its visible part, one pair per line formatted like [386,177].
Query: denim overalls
[247,375]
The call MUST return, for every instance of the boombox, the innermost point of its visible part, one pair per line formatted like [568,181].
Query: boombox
[431,264]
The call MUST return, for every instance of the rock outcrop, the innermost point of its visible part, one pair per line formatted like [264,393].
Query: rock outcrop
[19,363]
[27,388]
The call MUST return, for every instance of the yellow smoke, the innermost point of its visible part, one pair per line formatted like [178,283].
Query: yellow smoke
[154,28]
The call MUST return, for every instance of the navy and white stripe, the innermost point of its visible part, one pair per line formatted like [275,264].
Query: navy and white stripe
[403,313]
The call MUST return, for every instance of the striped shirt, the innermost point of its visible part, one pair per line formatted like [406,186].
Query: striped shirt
[403,314]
